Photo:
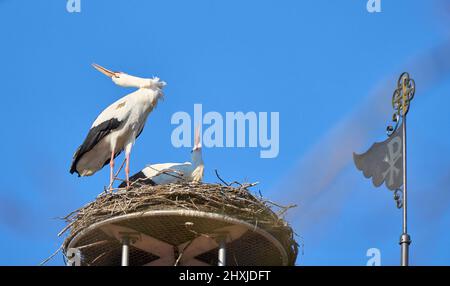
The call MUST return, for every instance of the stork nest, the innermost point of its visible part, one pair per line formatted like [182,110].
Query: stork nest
[237,202]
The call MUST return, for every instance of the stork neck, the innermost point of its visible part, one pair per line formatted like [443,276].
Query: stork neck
[196,158]
[126,80]
[140,82]
[197,166]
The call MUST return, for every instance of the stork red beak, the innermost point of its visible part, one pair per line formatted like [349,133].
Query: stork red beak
[104,71]
[197,135]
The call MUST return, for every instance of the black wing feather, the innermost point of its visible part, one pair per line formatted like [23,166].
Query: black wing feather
[141,180]
[120,151]
[95,135]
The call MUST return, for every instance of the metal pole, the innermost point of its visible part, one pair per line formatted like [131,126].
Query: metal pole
[125,251]
[222,252]
[405,239]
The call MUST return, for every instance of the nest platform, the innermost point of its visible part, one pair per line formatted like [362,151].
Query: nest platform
[181,224]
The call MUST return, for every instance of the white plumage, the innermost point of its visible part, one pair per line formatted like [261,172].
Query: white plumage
[166,173]
[118,126]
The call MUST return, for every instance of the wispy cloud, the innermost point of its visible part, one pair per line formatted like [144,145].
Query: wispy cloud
[15,215]
[322,165]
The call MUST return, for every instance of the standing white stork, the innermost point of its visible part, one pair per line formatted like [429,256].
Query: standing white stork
[118,126]
[166,173]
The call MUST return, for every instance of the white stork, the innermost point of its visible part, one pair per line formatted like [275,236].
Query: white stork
[166,173]
[118,126]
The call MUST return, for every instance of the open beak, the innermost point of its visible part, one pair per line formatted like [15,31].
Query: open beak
[197,135]
[104,71]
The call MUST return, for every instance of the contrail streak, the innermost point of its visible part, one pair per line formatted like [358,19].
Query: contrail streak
[314,176]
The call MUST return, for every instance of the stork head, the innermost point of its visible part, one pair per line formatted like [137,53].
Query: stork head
[126,80]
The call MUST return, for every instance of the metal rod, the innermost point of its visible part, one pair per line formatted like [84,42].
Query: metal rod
[125,251]
[405,217]
[405,239]
[222,252]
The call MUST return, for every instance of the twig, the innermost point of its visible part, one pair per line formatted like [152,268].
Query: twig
[66,228]
[51,256]
[217,174]
[117,173]
[167,172]
[92,244]
[182,251]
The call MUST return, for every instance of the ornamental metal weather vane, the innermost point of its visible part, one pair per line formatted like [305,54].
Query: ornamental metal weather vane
[386,161]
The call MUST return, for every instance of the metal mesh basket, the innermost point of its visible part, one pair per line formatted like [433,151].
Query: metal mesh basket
[189,237]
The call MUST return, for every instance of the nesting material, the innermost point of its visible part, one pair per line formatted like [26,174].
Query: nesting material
[236,202]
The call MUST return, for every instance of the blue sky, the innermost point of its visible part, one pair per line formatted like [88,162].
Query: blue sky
[328,67]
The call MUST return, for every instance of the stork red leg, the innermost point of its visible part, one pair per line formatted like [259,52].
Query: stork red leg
[111,174]
[127,169]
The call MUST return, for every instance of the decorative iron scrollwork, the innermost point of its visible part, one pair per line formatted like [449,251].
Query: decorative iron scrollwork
[398,198]
[401,99]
